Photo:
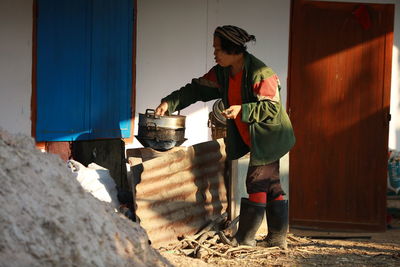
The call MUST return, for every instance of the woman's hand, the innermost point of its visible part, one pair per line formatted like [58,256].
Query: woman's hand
[161,109]
[232,111]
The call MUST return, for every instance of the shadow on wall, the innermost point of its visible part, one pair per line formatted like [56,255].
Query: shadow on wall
[179,192]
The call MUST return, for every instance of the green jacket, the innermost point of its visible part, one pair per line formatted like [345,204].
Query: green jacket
[271,132]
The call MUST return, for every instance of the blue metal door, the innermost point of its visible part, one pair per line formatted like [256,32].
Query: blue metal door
[84,69]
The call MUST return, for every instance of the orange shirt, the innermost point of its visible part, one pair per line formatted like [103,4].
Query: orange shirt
[235,98]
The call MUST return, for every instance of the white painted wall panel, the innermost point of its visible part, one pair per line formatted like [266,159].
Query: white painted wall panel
[171,47]
[15,65]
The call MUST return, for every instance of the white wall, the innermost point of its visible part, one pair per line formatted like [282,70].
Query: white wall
[171,48]
[15,65]
[174,45]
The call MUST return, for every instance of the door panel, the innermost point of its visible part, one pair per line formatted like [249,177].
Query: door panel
[111,68]
[339,102]
[63,69]
[84,69]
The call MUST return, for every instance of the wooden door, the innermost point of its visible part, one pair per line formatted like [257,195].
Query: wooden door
[339,86]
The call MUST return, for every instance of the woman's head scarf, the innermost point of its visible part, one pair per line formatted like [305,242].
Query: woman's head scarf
[234,34]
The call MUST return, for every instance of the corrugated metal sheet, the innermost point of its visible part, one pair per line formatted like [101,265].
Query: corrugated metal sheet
[181,191]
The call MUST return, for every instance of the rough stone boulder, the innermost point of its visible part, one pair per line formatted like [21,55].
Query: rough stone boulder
[47,219]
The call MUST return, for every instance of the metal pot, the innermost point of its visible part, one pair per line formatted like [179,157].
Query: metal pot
[152,120]
[161,132]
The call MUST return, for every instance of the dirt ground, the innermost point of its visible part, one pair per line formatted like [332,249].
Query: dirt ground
[305,248]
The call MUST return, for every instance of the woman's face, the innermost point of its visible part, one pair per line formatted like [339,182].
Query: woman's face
[221,57]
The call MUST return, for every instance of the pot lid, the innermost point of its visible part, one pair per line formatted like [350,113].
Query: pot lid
[149,119]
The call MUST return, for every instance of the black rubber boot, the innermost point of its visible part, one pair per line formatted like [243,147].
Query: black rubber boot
[251,217]
[278,223]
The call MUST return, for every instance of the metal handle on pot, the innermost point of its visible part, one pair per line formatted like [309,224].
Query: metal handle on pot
[148,115]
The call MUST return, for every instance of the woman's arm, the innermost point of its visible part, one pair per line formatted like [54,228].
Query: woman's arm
[203,89]
[266,88]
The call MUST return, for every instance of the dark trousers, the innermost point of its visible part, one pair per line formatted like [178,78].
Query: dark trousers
[264,178]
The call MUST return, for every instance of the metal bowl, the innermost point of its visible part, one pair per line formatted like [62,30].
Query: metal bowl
[161,133]
[160,145]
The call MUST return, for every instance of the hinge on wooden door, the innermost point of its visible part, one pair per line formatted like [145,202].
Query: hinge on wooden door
[389,117]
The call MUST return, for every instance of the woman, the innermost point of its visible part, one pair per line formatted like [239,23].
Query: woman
[257,123]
